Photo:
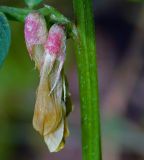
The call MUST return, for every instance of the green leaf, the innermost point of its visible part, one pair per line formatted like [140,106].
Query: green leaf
[5,36]
[32,3]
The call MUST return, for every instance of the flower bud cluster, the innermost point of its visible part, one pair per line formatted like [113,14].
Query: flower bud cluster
[47,49]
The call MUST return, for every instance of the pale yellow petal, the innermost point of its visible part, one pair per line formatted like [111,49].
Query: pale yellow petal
[54,139]
[48,113]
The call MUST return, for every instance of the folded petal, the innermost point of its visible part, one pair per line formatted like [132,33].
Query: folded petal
[54,139]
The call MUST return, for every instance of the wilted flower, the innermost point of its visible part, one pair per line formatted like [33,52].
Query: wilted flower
[53,100]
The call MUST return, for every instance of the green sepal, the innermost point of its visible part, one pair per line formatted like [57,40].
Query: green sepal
[66,95]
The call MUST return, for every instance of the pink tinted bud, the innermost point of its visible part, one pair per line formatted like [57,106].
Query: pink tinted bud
[35,29]
[55,43]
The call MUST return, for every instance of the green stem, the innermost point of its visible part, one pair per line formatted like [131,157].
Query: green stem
[88,82]
[19,14]
[51,14]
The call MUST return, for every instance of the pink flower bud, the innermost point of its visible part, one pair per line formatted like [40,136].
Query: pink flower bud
[35,31]
[55,44]
[55,48]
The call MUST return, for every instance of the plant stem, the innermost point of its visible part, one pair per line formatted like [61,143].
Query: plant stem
[51,14]
[88,82]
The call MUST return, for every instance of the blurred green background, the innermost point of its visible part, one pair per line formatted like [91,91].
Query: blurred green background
[120,49]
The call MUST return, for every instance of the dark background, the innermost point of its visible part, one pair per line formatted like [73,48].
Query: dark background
[120,55]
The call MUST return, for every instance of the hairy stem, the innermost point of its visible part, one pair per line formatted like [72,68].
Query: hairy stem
[88,82]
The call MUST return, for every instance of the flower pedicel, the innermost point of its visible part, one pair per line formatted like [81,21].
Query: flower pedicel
[53,100]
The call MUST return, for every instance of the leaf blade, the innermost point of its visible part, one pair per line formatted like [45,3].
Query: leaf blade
[16,14]
[5,36]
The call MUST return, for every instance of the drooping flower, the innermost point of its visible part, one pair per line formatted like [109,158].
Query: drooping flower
[53,99]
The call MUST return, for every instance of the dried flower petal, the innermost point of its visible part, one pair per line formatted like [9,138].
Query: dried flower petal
[48,112]
[53,140]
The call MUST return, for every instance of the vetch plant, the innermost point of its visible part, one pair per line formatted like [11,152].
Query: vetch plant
[47,48]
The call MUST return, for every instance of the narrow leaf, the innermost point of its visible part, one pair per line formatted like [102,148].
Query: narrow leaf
[5,35]
[32,3]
